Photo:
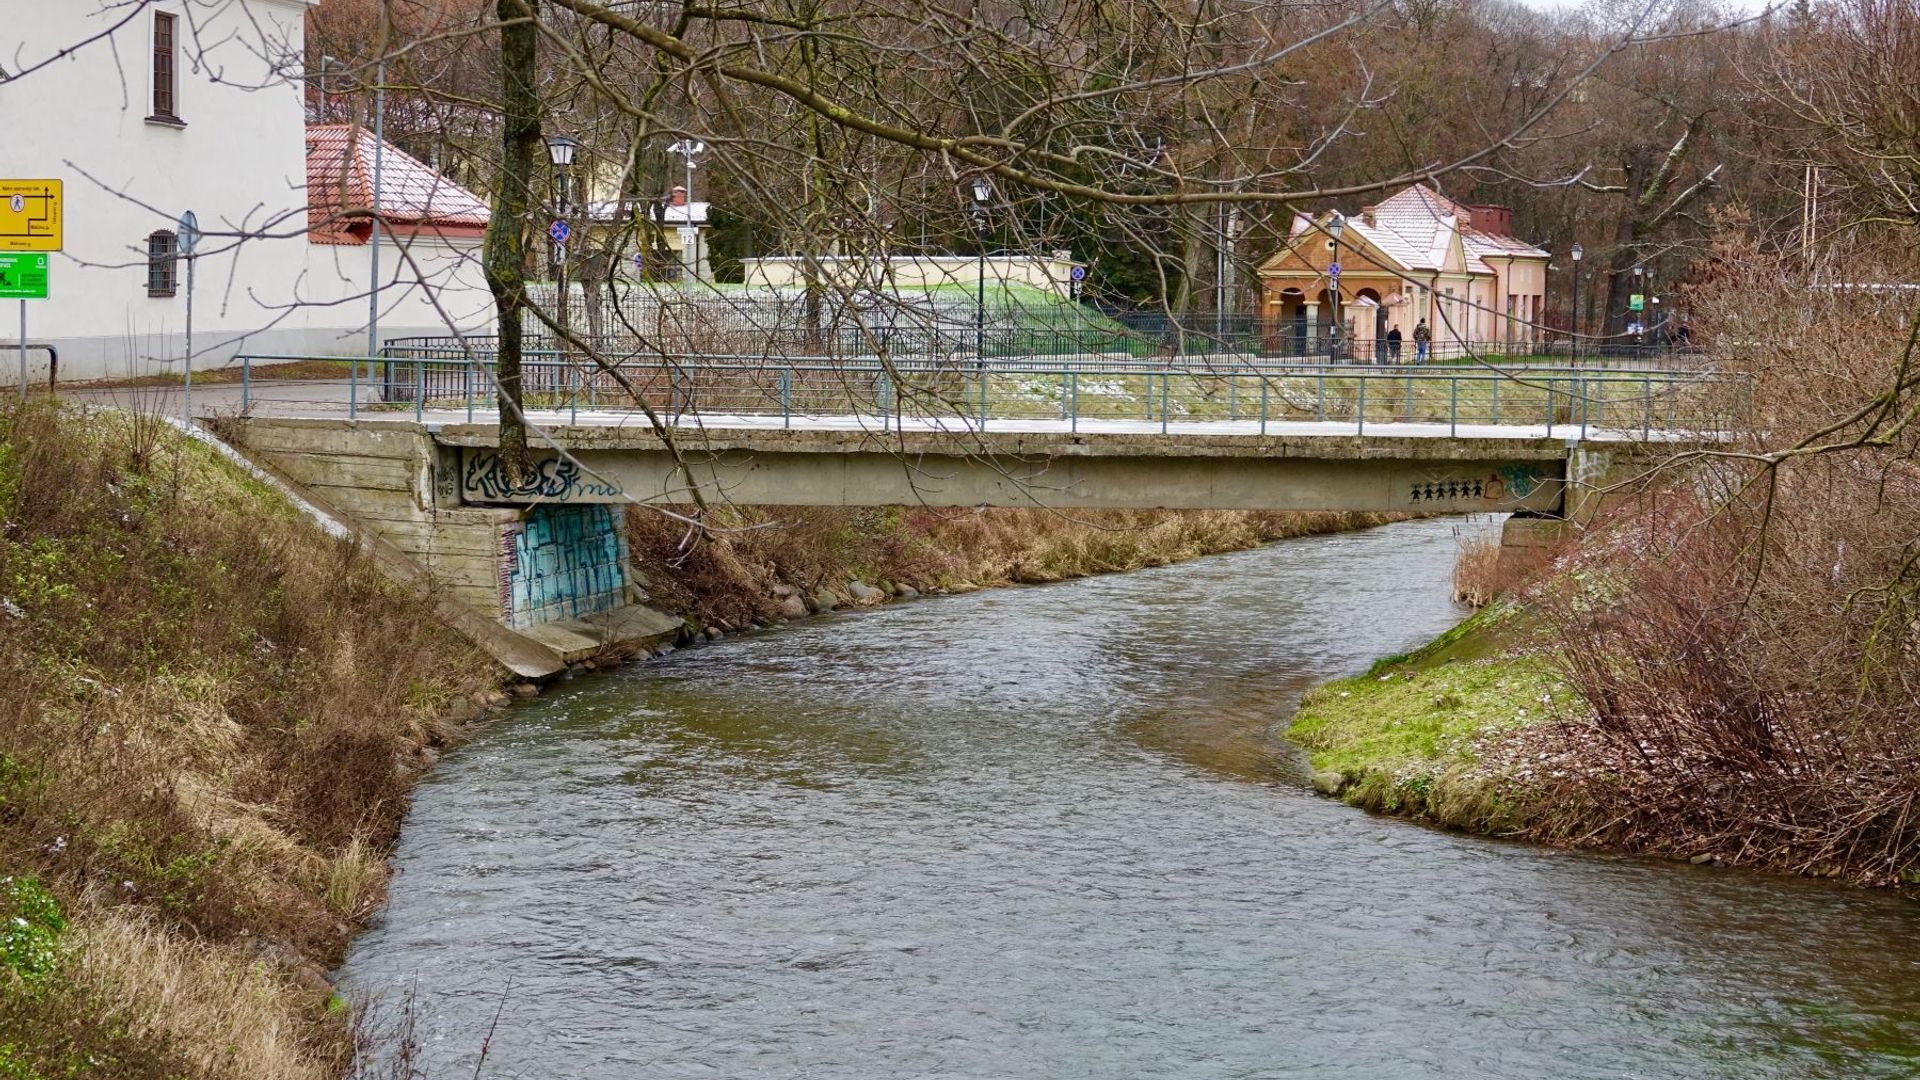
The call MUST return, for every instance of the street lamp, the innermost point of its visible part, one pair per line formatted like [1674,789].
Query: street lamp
[982,193]
[689,233]
[560,150]
[1639,289]
[1574,345]
[1335,225]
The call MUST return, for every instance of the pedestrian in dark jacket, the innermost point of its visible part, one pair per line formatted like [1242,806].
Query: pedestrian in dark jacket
[1393,344]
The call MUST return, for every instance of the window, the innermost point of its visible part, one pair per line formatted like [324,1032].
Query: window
[163,261]
[164,74]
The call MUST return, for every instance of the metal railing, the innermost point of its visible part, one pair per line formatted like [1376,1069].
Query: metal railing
[1083,393]
[1137,337]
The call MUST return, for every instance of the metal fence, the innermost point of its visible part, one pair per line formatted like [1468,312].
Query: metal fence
[892,327]
[1084,392]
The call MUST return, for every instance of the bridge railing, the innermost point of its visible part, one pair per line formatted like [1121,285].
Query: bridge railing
[1091,392]
[1136,336]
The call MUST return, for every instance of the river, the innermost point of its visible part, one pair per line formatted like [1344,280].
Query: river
[1053,832]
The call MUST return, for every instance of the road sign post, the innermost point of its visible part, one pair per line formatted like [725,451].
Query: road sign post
[23,277]
[1077,278]
[30,221]
[189,239]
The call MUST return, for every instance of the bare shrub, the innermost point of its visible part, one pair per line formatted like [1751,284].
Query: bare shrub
[1748,639]
[1477,576]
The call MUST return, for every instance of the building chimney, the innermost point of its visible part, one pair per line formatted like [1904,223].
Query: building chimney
[677,197]
[1492,220]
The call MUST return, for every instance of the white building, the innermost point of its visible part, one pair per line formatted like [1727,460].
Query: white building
[163,106]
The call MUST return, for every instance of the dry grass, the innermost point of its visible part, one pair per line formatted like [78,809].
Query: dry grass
[1477,576]
[730,578]
[226,1012]
[210,718]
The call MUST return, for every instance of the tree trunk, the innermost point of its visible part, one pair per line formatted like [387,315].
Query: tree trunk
[506,248]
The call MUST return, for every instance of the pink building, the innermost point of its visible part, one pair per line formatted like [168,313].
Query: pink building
[1417,255]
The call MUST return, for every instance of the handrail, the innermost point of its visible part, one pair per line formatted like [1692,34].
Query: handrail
[1163,395]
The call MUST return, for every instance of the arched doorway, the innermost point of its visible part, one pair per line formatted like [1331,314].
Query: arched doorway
[1320,343]
[1293,322]
[1370,325]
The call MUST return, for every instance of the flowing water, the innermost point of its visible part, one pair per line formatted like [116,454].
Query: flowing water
[1053,832]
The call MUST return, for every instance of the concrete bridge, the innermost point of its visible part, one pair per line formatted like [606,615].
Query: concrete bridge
[538,565]
[545,558]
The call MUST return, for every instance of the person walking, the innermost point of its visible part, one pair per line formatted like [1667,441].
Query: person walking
[1422,338]
[1393,345]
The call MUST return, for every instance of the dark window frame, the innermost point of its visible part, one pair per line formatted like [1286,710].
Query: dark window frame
[164,94]
[163,263]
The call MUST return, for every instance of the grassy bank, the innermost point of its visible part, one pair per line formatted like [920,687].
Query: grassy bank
[210,718]
[1431,734]
[1587,714]
[771,564]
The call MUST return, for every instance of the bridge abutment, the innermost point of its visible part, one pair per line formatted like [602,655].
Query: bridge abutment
[555,577]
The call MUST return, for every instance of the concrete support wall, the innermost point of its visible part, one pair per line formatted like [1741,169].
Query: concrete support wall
[384,479]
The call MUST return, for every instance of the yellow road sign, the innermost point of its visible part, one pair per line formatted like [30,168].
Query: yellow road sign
[30,215]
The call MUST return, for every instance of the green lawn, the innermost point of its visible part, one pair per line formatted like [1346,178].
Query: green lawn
[1405,737]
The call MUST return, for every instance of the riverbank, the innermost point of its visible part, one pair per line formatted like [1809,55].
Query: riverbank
[765,565]
[1580,712]
[1433,734]
[211,717]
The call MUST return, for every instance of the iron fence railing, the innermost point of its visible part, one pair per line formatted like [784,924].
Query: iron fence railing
[1210,395]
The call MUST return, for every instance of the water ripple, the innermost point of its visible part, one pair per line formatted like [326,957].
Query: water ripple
[1050,833]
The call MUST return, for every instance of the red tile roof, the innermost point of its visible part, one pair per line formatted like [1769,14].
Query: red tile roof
[339,178]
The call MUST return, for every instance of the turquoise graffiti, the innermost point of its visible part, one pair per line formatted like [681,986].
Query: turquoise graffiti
[1519,480]
[562,562]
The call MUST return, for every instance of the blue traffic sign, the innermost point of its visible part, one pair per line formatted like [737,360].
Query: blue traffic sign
[1079,273]
[1333,269]
[560,232]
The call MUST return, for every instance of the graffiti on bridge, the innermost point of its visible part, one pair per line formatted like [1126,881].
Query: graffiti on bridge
[1509,483]
[486,478]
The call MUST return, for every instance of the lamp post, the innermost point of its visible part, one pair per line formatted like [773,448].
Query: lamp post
[982,193]
[1335,225]
[1639,289]
[561,150]
[379,167]
[689,234]
[1573,347]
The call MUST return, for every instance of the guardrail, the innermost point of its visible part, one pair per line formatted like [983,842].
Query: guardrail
[1085,391]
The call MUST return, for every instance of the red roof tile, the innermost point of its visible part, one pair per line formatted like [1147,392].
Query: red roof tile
[339,178]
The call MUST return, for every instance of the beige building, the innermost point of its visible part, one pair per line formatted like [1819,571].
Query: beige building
[1415,256]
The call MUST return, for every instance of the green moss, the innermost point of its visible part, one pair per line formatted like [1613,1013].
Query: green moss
[13,1066]
[30,927]
[1405,736]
